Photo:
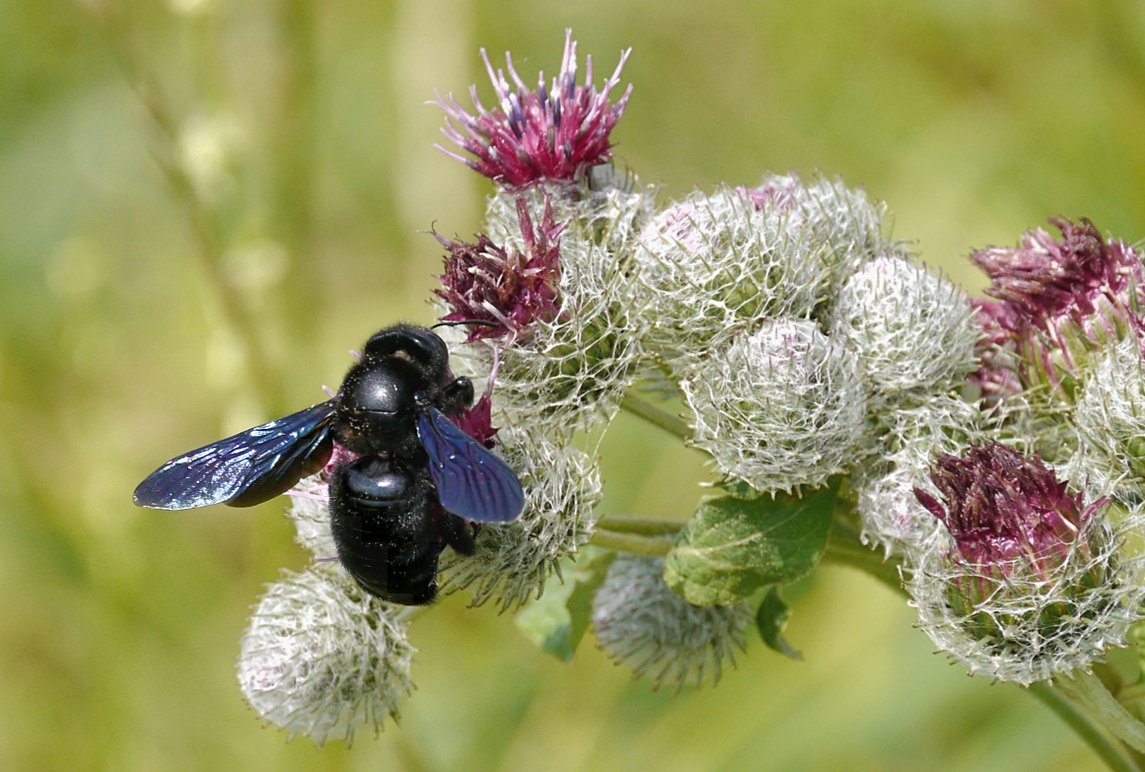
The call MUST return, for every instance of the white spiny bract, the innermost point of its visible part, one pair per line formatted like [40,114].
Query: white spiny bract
[1110,416]
[309,510]
[914,332]
[323,658]
[573,370]
[715,267]
[844,219]
[643,624]
[782,408]
[562,487]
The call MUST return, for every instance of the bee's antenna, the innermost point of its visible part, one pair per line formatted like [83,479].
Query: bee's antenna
[483,322]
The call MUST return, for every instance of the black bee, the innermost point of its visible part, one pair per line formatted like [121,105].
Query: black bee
[415,482]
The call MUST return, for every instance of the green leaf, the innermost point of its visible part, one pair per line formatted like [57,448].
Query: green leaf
[558,620]
[771,618]
[731,547]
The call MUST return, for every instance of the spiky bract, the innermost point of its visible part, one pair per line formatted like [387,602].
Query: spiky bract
[643,624]
[562,487]
[716,266]
[782,408]
[323,658]
[1025,581]
[1110,415]
[912,331]
[850,225]
[572,370]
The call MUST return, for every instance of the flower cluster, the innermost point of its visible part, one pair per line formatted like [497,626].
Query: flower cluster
[836,387]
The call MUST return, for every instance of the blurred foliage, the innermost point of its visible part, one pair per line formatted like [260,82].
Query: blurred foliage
[204,203]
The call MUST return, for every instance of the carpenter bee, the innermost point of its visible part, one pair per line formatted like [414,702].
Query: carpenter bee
[415,481]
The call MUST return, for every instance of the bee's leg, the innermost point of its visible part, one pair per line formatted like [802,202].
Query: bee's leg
[457,533]
[457,396]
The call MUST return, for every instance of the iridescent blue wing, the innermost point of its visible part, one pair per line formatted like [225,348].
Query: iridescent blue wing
[471,482]
[245,469]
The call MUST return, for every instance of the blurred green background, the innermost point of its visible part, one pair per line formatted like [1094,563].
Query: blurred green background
[205,203]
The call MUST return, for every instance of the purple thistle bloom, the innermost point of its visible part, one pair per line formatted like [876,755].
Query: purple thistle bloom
[1025,548]
[1043,280]
[1007,512]
[536,135]
[485,282]
[1059,300]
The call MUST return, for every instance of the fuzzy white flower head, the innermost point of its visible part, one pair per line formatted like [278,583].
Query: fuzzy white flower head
[1110,416]
[782,408]
[323,658]
[562,488]
[643,624]
[609,207]
[1024,581]
[718,265]
[842,218]
[911,330]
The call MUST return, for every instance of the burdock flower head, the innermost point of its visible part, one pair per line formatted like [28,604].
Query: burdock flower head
[1061,301]
[509,288]
[643,624]
[547,134]
[1031,585]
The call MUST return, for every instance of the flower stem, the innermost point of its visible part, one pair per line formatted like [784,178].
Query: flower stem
[642,408]
[1109,750]
[640,526]
[640,535]
[1091,694]
[846,548]
[653,546]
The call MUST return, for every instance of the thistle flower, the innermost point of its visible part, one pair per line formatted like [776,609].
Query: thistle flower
[322,658]
[643,624]
[912,332]
[510,288]
[782,408]
[552,134]
[572,368]
[1063,300]
[1029,582]
[716,266]
[828,212]
[513,560]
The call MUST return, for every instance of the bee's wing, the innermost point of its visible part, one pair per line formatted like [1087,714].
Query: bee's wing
[245,469]
[471,482]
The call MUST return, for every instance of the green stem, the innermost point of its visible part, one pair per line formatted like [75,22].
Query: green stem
[653,546]
[640,526]
[642,408]
[1109,750]
[847,549]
